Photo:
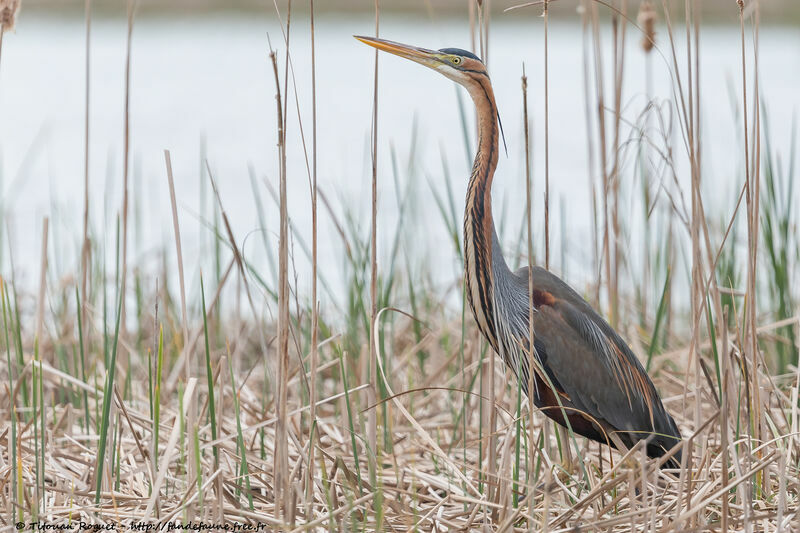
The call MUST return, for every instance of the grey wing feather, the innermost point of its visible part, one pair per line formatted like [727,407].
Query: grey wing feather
[592,363]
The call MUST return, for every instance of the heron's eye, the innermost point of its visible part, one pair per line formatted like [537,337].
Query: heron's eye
[456,60]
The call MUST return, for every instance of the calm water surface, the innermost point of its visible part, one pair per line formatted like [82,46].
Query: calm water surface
[207,82]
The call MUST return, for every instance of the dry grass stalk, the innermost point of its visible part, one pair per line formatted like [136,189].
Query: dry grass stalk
[619,22]
[473,47]
[529,221]
[372,421]
[187,351]
[42,282]
[599,94]
[760,425]
[546,81]
[750,337]
[698,296]
[131,9]
[314,302]
[723,423]
[596,262]
[281,464]
[646,20]
[86,247]
[187,361]
[40,407]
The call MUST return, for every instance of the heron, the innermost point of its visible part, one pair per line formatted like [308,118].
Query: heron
[585,376]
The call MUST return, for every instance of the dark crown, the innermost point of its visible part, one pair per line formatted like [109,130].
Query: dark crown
[460,52]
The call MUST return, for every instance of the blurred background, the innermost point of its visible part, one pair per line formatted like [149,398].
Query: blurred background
[202,87]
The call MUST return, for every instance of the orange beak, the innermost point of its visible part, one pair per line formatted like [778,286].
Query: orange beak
[419,55]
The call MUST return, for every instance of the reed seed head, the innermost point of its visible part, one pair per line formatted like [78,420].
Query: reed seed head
[647,21]
[8,13]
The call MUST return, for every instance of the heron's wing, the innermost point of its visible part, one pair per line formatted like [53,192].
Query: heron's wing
[591,363]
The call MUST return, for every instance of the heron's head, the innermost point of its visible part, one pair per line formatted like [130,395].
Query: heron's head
[458,65]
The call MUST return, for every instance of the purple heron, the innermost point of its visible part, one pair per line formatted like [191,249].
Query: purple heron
[585,375]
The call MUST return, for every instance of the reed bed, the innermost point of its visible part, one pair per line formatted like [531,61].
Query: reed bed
[388,411]
[429,473]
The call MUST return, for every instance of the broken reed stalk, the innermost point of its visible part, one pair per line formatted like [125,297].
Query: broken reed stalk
[281,465]
[187,349]
[372,419]
[187,361]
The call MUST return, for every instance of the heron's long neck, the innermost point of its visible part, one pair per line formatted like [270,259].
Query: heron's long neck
[482,255]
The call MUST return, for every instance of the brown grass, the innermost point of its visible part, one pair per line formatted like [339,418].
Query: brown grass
[422,484]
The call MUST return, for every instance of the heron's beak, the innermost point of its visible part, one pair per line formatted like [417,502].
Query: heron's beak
[426,57]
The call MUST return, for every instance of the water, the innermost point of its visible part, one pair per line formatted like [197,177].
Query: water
[207,80]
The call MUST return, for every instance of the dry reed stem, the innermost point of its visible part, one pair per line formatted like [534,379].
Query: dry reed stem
[603,151]
[596,262]
[750,335]
[42,281]
[187,361]
[281,464]
[187,353]
[529,220]
[372,420]
[131,9]
[314,302]
[86,246]
[546,82]
[619,25]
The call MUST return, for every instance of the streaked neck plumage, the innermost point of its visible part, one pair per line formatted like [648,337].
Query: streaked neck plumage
[483,258]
